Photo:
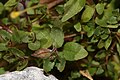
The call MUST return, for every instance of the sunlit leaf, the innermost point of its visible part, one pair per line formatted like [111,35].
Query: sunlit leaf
[10,3]
[87,13]
[113,26]
[73,51]
[34,45]
[44,37]
[112,20]
[77,27]
[72,7]
[108,42]
[99,8]
[57,36]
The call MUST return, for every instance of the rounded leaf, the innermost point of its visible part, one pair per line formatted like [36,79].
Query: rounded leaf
[34,46]
[73,51]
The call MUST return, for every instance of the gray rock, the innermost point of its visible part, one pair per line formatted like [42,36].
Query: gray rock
[30,73]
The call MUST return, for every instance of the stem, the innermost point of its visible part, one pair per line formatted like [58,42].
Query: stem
[33,7]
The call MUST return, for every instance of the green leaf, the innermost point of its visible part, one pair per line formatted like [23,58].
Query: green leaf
[3,46]
[113,26]
[48,65]
[100,44]
[77,27]
[100,55]
[2,70]
[72,7]
[16,52]
[5,35]
[108,42]
[73,51]
[90,48]
[89,29]
[1,8]
[44,37]
[112,20]
[100,71]
[5,21]
[22,64]
[92,70]
[9,57]
[104,36]
[10,3]
[102,21]
[60,66]
[87,13]
[118,48]
[59,9]
[75,74]
[99,8]
[95,63]
[34,45]
[16,36]
[57,36]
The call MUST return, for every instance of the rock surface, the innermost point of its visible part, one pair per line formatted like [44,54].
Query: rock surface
[30,73]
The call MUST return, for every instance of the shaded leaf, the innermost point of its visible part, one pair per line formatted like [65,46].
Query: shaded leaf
[48,65]
[2,70]
[5,35]
[100,55]
[101,44]
[9,57]
[60,66]
[16,52]
[22,64]
[92,70]
[72,7]
[118,48]
[77,27]
[1,8]
[75,74]
[3,46]
[108,42]
[100,70]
